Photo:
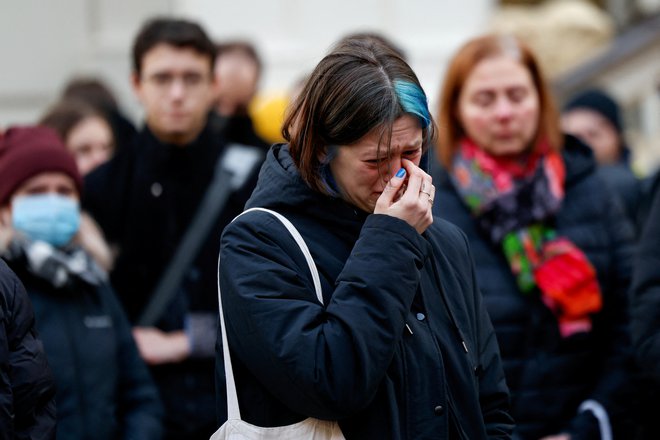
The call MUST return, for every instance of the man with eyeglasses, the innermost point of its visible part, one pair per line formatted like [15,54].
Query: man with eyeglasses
[145,199]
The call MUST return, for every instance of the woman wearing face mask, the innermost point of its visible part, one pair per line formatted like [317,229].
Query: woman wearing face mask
[103,388]
[551,245]
[401,347]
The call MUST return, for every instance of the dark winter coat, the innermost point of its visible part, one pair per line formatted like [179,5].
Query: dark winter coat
[645,294]
[27,390]
[645,316]
[627,187]
[103,387]
[550,376]
[403,348]
[144,199]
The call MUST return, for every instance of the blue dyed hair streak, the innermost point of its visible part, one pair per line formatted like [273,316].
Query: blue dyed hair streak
[413,100]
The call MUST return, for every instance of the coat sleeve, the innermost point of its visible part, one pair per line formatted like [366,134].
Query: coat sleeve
[645,294]
[31,381]
[324,362]
[493,390]
[138,404]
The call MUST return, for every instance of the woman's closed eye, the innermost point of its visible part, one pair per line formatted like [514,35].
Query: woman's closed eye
[483,99]
[414,152]
[517,94]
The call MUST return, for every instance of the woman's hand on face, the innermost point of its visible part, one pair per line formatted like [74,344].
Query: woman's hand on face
[412,203]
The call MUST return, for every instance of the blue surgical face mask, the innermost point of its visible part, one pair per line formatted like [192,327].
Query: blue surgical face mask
[52,218]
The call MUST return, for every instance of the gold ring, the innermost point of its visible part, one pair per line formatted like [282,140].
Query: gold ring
[430,200]
[424,192]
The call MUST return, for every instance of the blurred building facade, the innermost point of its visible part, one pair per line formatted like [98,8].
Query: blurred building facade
[45,43]
[580,42]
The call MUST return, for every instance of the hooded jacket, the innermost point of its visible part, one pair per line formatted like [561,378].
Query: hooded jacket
[403,348]
[549,376]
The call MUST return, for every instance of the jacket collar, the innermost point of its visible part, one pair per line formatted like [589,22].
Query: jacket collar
[281,188]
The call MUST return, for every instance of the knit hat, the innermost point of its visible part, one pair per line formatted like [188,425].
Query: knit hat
[599,102]
[31,150]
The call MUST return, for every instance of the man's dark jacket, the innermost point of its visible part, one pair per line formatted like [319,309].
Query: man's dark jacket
[549,377]
[144,199]
[403,348]
[27,389]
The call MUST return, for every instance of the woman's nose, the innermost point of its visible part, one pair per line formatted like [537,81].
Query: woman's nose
[503,108]
[393,165]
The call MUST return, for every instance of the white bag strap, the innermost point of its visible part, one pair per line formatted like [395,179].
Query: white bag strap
[233,411]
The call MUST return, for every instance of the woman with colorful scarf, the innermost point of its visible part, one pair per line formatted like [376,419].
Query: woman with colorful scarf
[551,246]
[103,387]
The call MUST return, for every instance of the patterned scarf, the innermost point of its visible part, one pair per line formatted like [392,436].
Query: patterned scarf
[513,201]
[63,268]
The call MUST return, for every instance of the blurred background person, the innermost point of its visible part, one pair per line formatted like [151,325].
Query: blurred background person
[104,390]
[146,199]
[27,389]
[237,71]
[85,131]
[595,118]
[94,92]
[87,135]
[551,244]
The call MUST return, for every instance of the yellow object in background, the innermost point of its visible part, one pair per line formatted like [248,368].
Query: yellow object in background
[267,113]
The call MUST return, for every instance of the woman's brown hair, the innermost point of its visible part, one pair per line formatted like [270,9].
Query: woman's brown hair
[359,86]
[65,115]
[460,67]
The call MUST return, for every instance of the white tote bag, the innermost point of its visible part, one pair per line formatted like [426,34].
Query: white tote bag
[235,428]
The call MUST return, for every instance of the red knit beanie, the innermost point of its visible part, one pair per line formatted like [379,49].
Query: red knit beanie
[31,150]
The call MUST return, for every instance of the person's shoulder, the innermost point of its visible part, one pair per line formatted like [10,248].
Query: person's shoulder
[15,308]
[112,170]
[8,280]
[252,223]
[579,161]
[574,145]
[621,179]
[573,149]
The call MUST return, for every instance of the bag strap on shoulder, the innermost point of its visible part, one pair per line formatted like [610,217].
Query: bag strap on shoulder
[233,411]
